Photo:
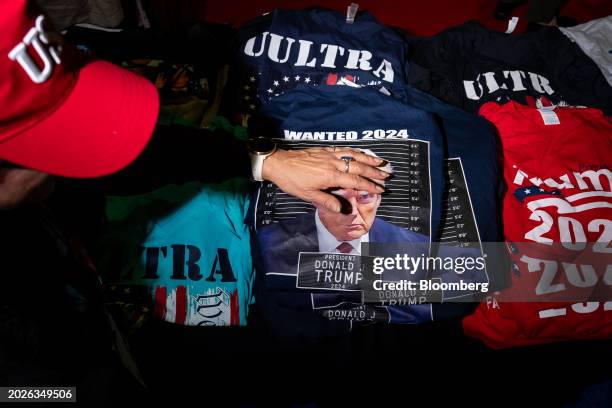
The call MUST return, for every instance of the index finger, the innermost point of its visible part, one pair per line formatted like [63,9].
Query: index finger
[353,181]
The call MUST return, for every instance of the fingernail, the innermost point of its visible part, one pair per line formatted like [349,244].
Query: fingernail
[384,174]
[380,189]
[346,208]
[383,163]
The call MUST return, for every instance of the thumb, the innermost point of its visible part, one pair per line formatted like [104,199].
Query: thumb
[326,200]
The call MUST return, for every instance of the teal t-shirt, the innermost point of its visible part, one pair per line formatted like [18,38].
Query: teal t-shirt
[185,250]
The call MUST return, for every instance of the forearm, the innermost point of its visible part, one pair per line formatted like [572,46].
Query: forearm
[177,155]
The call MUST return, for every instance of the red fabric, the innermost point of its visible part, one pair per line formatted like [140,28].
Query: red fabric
[417,17]
[181,305]
[234,309]
[160,302]
[345,248]
[554,194]
[19,104]
[62,120]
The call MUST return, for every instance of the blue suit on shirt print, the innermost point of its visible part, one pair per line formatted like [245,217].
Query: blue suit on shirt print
[282,242]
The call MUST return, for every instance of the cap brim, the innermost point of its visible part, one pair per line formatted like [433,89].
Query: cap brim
[101,127]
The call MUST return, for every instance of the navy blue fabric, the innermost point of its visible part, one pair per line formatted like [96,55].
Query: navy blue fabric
[304,314]
[283,240]
[291,311]
[341,109]
[472,139]
[317,47]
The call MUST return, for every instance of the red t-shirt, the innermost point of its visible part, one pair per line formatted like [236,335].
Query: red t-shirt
[557,214]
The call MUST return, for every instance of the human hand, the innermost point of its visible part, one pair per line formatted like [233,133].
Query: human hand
[306,173]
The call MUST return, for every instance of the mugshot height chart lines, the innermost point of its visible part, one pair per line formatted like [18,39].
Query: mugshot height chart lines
[407,202]
[458,225]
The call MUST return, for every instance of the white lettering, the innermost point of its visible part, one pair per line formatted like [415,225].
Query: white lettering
[303,55]
[274,49]
[540,84]
[48,54]
[594,177]
[331,54]
[517,80]
[249,48]
[491,82]
[387,71]
[359,57]
[474,89]
[470,90]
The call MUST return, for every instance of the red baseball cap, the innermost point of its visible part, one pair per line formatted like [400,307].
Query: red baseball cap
[63,116]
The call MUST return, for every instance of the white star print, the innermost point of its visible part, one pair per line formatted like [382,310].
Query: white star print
[541,190]
[246,98]
[297,77]
[307,80]
[527,191]
[270,91]
[251,106]
[246,87]
[286,79]
[275,83]
[252,79]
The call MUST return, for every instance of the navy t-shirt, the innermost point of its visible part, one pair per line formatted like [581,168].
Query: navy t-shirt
[469,65]
[297,299]
[312,47]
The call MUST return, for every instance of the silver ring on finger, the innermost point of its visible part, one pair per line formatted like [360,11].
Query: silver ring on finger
[347,162]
